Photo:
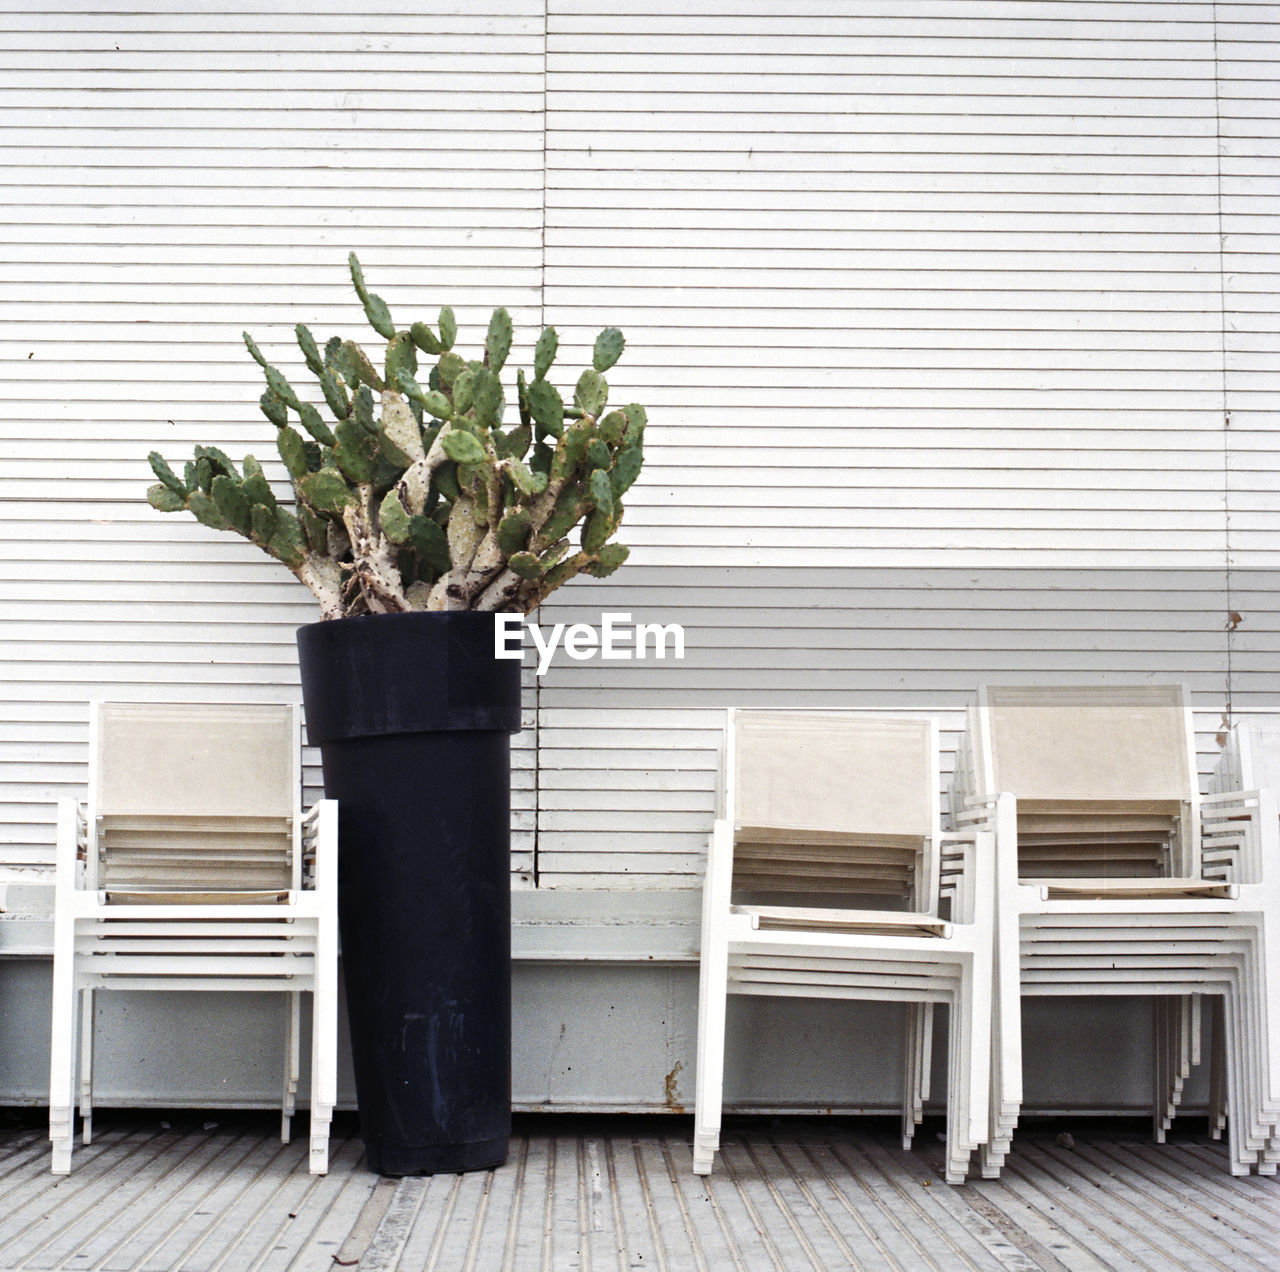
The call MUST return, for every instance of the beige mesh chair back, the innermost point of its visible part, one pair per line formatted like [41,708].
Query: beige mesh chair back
[1104,775]
[824,878]
[1250,757]
[834,804]
[193,868]
[193,798]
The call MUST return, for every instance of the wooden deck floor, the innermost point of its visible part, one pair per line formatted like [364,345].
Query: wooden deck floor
[194,1192]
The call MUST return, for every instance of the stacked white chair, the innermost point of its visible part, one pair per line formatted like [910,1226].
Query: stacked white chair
[1104,885]
[192,868]
[1250,757]
[821,814]
[1245,780]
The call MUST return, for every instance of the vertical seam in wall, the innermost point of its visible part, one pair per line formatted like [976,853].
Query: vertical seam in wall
[1230,620]
[542,322]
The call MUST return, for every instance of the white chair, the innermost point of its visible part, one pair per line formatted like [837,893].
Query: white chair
[1103,885]
[194,869]
[822,813]
[1250,757]
[1239,835]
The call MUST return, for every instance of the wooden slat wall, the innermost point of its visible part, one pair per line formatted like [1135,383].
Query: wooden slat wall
[171,176]
[1249,121]
[927,303]
[930,305]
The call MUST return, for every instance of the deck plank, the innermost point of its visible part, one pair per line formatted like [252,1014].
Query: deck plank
[609,1194]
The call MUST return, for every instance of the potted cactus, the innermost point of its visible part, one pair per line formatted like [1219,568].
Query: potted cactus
[418,513]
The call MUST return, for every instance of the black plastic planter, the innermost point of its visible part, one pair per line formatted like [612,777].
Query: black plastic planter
[413,716]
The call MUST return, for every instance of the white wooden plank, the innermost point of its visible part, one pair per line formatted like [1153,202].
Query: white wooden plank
[233,23]
[350,10]
[843,38]
[1023,353]
[926,16]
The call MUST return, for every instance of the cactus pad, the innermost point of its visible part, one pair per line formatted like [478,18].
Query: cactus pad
[497,345]
[462,447]
[608,349]
[591,393]
[422,500]
[544,353]
[375,310]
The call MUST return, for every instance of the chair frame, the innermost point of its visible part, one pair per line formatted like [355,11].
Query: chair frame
[1200,932]
[228,938]
[912,957]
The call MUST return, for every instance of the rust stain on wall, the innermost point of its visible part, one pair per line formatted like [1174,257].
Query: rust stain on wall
[673,1099]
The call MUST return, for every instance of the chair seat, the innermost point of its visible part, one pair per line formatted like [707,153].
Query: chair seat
[1130,889]
[146,896]
[797,918]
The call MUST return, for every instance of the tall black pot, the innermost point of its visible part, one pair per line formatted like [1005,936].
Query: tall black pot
[413,715]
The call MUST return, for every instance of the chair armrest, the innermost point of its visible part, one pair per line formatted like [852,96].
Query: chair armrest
[955,872]
[1239,835]
[967,861]
[75,810]
[319,825]
[72,844]
[811,919]
[978,811]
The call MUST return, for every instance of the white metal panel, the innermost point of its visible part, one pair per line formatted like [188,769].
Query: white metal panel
[172,176]
[1249,74]
[930,308]
[927,309]
[977,245]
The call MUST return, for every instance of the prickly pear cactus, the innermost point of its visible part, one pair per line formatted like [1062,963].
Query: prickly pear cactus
[417,496]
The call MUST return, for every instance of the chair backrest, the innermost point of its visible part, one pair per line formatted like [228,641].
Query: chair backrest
[1093,742]
[1251,757]
[1105,776]
[193,797]
[832,802]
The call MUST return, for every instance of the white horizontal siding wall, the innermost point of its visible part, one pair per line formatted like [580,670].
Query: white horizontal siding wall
[927,305]
[927,302]
[171,176]
[1249,117]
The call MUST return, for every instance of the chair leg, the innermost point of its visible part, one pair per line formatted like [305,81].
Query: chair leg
[909,1075]
[289,1099]
[958,1149]
[1217,1071]
[916,1065]
[709,1082]
[318,1144]
[970,1028]
[324,1070]
[62,1065]
[977,1055]
[64,1003]
[324,1002]
[1241,1159]
[1160,1107]
[1005,1017]
[1006,1029]
[1173,1027]
[86,1066]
